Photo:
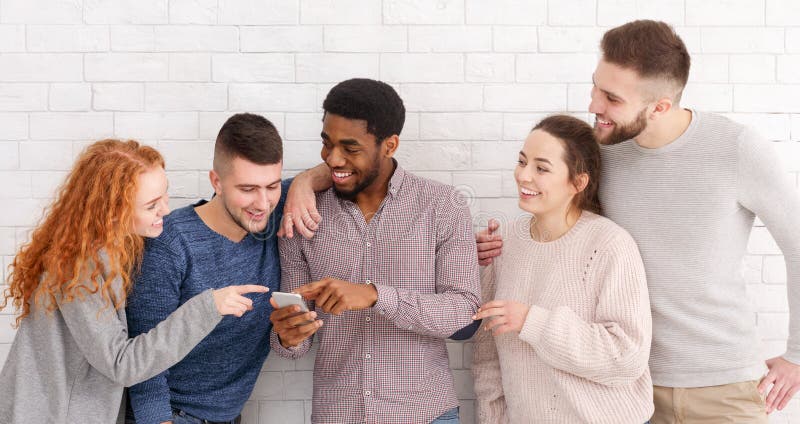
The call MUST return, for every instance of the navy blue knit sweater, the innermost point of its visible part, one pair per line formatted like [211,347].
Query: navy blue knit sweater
[216,378]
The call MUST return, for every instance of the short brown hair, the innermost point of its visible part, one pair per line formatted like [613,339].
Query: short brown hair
[581,154]
[651,48]
[248,136]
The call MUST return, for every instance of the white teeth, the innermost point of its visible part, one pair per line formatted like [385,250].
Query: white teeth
[603,122]
[529,192]
[342,174]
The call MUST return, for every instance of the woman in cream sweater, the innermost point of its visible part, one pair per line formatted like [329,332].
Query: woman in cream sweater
[566,319]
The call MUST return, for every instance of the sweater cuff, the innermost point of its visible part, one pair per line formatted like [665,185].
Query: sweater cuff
[152,410]
[792,356]
[534,324]
[205,314]
[210,307]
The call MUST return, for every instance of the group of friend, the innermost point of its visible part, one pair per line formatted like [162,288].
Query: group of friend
[616,299]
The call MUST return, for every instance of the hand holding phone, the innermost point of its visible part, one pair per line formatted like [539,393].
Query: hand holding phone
[284,299]
[293,325]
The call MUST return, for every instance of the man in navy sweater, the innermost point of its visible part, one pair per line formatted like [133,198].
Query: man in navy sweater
[228,240]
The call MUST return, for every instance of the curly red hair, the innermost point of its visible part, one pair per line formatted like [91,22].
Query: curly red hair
[92,213]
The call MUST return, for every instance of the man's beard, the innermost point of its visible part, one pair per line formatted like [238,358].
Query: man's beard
[369,178]
[627,131]
[243,225]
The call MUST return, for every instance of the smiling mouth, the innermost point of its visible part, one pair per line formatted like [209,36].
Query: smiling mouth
[256,216]
[340,177]
[603,123]
[528,193]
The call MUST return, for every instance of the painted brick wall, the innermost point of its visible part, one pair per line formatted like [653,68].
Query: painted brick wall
[474,74]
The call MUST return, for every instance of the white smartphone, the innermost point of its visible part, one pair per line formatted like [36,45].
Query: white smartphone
[288,299]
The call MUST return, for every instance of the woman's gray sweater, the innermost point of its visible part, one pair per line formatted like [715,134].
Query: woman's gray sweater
[71,366]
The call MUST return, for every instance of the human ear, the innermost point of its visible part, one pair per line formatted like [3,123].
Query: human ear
[216,182]
[581,182]
[390,145]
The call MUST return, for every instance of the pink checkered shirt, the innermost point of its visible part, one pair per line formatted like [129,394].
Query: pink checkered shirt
[388,363]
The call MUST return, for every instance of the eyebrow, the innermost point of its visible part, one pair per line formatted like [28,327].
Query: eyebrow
[157,198]
[536,159]
[345,141]
[256,185]
[153,201]
[606,91]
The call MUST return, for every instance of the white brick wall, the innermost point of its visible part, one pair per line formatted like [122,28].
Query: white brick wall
[257,12]
[475,75]
[363,38]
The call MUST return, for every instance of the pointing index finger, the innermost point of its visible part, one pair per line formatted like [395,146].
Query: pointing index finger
[310,288]
[251,288]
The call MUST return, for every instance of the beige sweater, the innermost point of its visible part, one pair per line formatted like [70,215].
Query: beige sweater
[582,353]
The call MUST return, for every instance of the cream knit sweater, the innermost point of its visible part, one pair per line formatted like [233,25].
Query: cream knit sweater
[582,354]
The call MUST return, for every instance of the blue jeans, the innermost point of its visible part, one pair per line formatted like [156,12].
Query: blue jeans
[449,417]
[180,417]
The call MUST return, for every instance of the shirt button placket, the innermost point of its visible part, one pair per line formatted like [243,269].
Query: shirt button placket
[369,335]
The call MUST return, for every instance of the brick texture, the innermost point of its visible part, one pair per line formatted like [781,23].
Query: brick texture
[475,75]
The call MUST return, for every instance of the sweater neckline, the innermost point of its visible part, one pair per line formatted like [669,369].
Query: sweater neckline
[565,239]
[684,138]
[211,231]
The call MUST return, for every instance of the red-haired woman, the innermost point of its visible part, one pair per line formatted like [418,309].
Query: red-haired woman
[72,357]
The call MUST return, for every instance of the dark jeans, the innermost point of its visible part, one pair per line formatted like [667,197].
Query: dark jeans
[180,417]
[449,417]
